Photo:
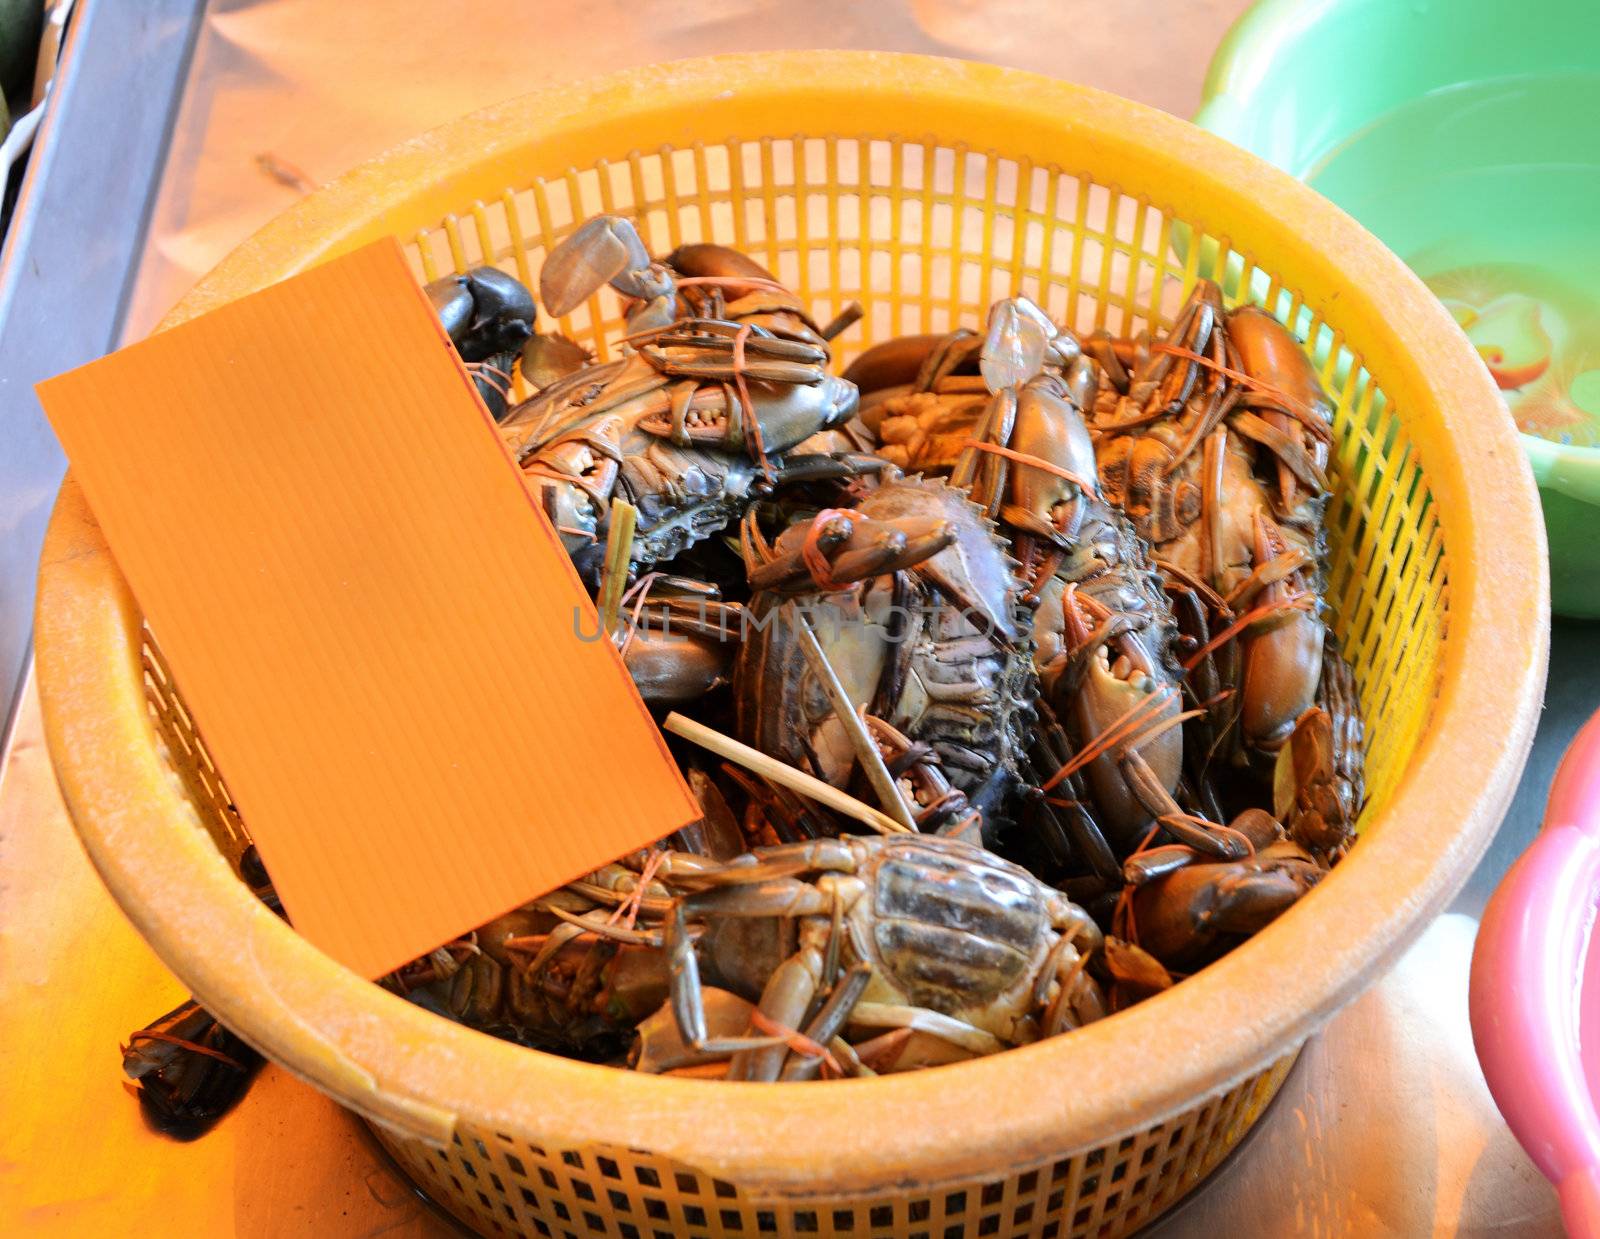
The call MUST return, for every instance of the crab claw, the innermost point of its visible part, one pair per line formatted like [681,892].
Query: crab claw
[1114,705]
[1111,691]
[1180,915]
[1135,973]
[1282,658]
[1268,352]
[603,250]
[852,546]
[1281,668]
[1036,479]
[485,312]
[1015,344]
[1019,342]
[549,358]
[674,668]
[572,479]
[787,413]
[1049,428]
[893,363]
[722,263]
[1315,802]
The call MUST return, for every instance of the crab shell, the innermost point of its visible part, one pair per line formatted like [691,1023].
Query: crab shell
[939,651]
[675,449]
[946,926]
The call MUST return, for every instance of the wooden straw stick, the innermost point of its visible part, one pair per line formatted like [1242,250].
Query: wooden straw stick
[770,768]
[889,795]
[614,576]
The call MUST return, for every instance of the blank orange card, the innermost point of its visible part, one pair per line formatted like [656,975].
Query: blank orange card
[375,628]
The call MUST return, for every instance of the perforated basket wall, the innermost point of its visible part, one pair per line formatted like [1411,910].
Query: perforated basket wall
[504,1186]
[925,236]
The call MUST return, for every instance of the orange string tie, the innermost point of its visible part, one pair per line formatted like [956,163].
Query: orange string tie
[1128,723]
[628,910]
[1295,602]
[1023,458]
[796,1041]
[747,409]
[481,368]
[146,1034]
[1122,915]
[1303,412]
[639,594]
[729,281]
[811,553]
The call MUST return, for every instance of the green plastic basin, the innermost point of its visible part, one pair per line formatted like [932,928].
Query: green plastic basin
[1466,135]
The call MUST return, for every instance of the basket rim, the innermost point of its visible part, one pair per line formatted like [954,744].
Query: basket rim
[419,1074]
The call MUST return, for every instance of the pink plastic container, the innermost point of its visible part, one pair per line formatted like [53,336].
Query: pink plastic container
[1536,990]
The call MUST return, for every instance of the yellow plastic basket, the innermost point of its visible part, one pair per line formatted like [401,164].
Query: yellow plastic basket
[925,188]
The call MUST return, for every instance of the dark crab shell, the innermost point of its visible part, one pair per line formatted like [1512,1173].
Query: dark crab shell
[941,652]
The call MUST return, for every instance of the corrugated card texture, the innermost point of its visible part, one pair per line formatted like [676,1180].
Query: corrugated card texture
[374,626]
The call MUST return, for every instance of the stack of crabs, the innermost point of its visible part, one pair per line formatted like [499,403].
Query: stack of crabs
[1042,611]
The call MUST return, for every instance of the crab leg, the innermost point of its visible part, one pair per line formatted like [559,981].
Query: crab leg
[606,250]
[687,998]
[1180,914]
[784,1004]
[1318,779]
[825,1027]
[919,1019]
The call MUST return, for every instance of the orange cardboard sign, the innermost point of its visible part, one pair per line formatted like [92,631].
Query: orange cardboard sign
[376,629]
